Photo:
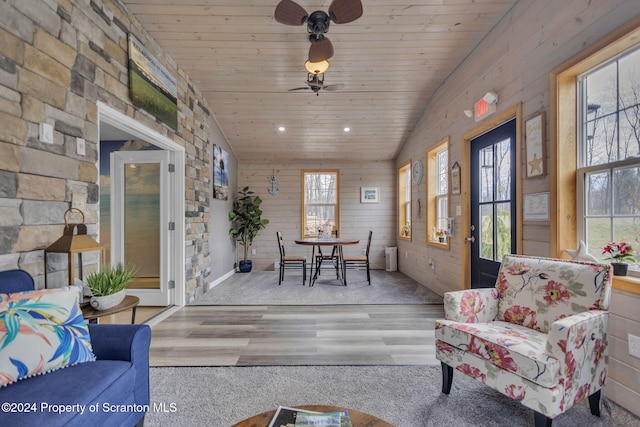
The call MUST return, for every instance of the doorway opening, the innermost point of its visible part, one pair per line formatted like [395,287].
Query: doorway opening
[470,231]
[142,206]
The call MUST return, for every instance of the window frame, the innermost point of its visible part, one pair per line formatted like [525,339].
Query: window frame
[584,169]
[404,203]
[303,200]
[563,140]
[433,197]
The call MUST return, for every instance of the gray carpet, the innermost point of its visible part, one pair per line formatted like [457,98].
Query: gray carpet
[405,396]
[261,288]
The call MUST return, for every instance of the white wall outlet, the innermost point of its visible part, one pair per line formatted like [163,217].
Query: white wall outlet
[79,201]
[81,147]
[634,346]
[254,251]
[46,133]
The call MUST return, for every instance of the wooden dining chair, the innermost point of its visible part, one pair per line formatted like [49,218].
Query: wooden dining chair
[358,261]
[287,261]
[333,256]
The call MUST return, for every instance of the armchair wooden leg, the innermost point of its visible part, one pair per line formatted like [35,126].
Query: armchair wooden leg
[594,403]
[541,420]
[447,377]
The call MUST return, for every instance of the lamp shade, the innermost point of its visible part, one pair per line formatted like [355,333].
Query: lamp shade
[316,67]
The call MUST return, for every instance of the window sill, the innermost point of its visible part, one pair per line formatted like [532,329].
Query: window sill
[438,244]
[627,284]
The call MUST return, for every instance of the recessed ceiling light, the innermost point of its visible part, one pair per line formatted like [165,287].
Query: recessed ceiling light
[281,129]
[347,129]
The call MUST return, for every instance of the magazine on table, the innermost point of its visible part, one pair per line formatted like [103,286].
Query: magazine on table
[323,419]
[296,417]
[286,417]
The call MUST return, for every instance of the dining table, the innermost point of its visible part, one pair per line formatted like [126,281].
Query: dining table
[335,242]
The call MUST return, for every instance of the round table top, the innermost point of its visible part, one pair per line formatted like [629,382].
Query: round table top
[357,418]
[333,241]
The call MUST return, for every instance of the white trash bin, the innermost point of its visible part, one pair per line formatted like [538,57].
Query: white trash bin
[391,258]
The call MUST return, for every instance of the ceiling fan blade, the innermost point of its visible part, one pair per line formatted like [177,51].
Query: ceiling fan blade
[331,88]
[299,88]
[290,13]
[320,50]
[344,11]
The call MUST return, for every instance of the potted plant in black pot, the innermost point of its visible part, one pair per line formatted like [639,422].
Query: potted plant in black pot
[246,217]
[619,253]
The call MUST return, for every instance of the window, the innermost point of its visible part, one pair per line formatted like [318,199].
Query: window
[608,157]
[404,201]
[438,193]
[592,112]
[321,205]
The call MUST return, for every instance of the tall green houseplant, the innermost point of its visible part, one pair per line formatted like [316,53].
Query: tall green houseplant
[246,217]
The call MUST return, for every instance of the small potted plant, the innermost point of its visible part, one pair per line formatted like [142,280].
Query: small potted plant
[406,229]
[246,217]
[620,253]
[441,235]
[108,286]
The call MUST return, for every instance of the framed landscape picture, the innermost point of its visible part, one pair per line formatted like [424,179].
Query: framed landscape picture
[369,195]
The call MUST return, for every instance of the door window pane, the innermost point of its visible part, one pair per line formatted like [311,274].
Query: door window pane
[504,230]
[486,174]
[503,170]
[486,231]
[142,223]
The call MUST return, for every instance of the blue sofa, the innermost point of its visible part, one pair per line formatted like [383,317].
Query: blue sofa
[111,391]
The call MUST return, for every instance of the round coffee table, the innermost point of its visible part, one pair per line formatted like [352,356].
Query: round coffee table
[358,419]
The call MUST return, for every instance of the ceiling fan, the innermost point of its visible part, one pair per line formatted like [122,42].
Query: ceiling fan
[289,12]
[315,82]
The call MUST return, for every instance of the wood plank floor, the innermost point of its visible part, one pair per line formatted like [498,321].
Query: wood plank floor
[297,335]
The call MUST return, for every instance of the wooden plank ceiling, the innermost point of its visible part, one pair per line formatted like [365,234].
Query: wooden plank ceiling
[391,61]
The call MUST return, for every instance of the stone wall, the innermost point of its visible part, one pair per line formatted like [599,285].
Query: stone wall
[57,60]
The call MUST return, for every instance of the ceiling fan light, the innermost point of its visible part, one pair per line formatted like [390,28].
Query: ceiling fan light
[316,67]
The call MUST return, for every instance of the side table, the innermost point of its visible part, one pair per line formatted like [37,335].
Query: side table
[91,315]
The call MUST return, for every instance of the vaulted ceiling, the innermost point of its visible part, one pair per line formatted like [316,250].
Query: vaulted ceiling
[391,61]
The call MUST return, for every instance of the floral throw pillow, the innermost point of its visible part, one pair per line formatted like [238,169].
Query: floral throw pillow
[41,331]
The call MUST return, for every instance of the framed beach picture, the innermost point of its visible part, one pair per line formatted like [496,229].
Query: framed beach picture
[535,153]
[369,195]
[220,173]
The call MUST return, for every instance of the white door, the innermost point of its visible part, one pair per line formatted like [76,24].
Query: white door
[141,216]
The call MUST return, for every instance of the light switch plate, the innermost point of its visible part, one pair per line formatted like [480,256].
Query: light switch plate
[46,133]
[80,147]
[634,346]
[79,201]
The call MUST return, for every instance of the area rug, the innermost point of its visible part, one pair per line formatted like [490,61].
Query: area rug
[261,288]
[405,396]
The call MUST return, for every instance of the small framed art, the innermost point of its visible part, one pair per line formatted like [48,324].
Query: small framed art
[535,153]
[369,195]
[455,178]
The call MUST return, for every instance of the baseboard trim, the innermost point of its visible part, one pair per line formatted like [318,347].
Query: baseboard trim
[221,279]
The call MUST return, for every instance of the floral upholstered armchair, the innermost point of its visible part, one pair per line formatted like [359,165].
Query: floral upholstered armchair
[539,336]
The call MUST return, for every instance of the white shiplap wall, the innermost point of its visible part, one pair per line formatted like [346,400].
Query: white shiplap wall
[356,219]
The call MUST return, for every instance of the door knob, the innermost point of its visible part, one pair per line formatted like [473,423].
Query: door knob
[471,239]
